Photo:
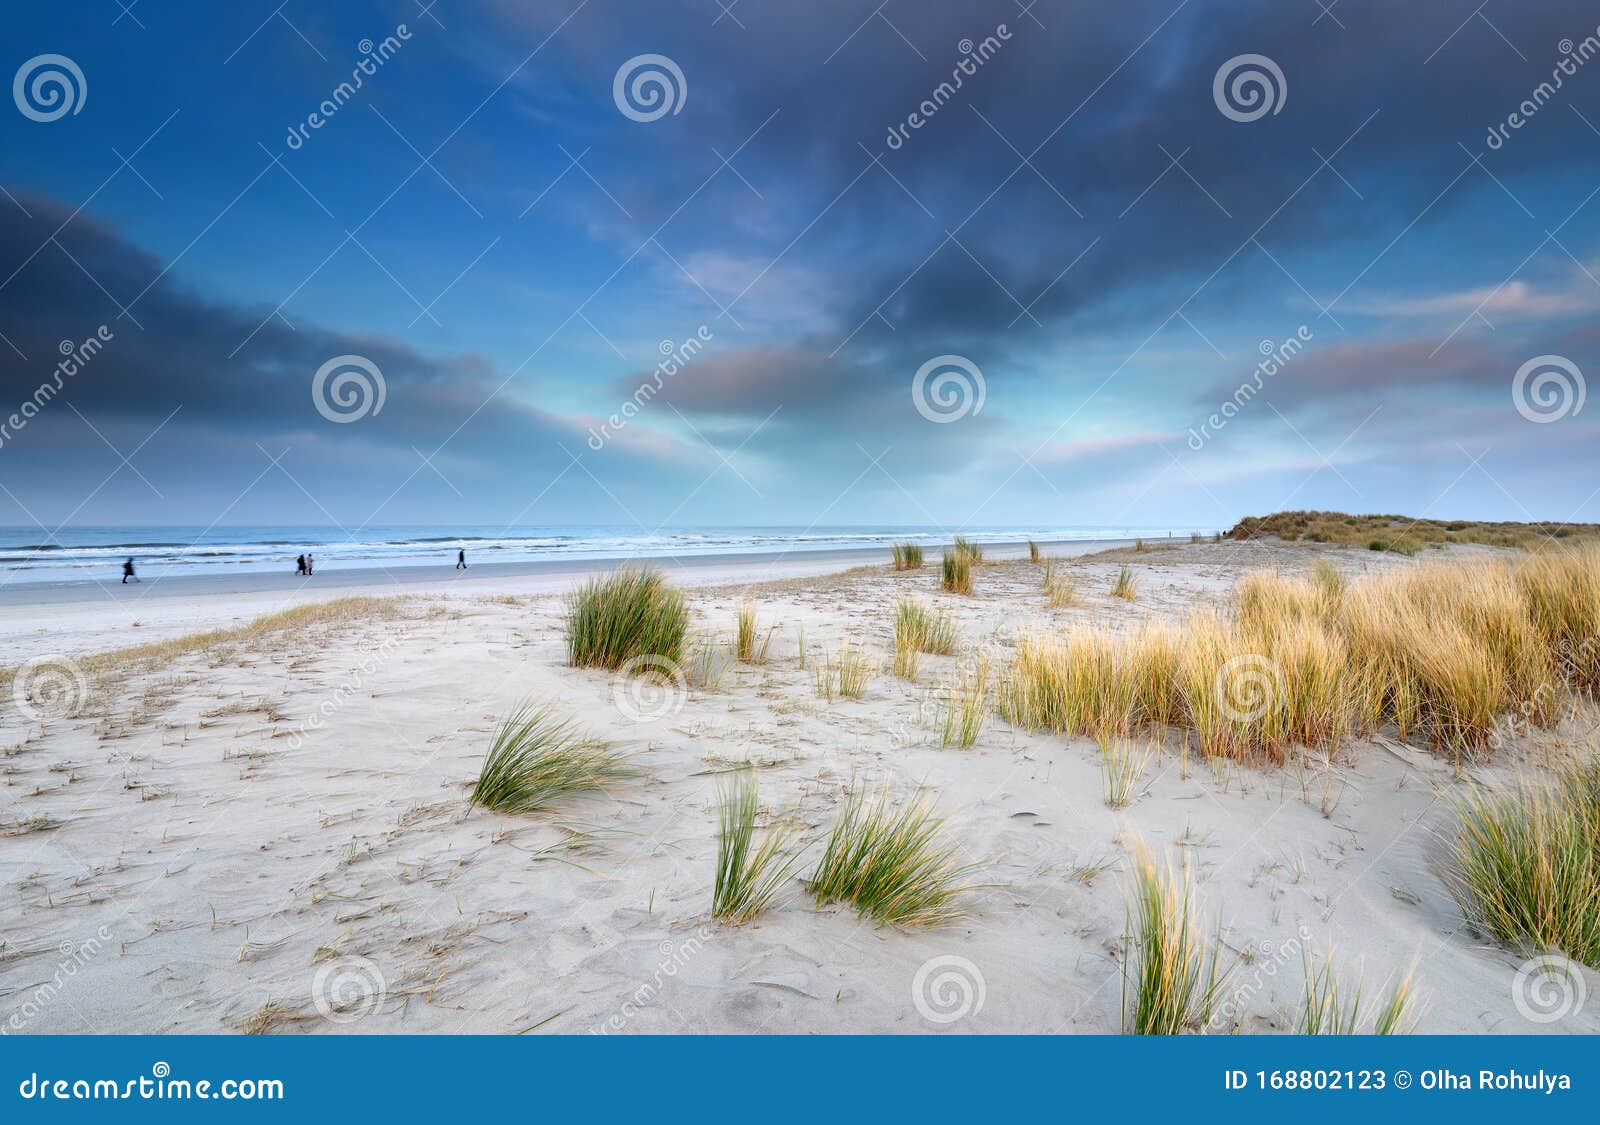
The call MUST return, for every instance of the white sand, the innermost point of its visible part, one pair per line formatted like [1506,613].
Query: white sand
[219,841]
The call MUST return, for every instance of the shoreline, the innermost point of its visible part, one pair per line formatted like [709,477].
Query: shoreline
[79,617]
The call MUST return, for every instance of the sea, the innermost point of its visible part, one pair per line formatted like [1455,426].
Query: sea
[86,554]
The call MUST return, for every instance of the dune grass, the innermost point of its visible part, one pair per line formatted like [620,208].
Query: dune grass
[1172,974]
[964,705]
[1331,1005]
[894,866]
[1524,861]
[537,757]
[957,572]
[748,875]
[907,556]
[1061,592]
[846,675]
[1455,653]
[906,660]
[924,628]
[964,546]
[627,614]
[1123,761]
[1126,586]
[1034,554]
[749,646]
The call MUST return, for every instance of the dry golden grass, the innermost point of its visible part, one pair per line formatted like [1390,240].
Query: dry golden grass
[1449,651]
[845,675]
[295,623]
[965,703]
[1173,973]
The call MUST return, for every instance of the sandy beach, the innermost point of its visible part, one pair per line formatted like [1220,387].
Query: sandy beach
[272,832]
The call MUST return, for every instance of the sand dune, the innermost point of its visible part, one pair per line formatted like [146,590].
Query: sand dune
[273,834]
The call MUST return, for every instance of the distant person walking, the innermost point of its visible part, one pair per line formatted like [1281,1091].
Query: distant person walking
[461,558]
[127,572]
[311,565]
[300,564]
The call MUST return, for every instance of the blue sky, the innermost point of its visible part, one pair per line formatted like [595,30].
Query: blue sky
[1082,223]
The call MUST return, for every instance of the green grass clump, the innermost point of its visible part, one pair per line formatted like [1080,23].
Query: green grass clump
[627,614]
[907,556]
[749,647]
[1126,586]
[924,629]
[1332,1007]
[748,876]
[847,674]
[967,547]
[1524,863]
[891,866]
[1034,554]
[965,705]
[1171,978]
[957,577]
[536,757]
[1124,762]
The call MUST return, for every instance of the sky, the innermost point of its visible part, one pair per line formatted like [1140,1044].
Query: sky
[949,262]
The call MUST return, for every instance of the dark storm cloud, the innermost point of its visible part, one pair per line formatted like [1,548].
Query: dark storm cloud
[242,371]
[1104,94]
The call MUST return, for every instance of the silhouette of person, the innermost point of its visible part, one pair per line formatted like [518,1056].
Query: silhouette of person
[461,559]
[127,572]
[311,565]
[300,564]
